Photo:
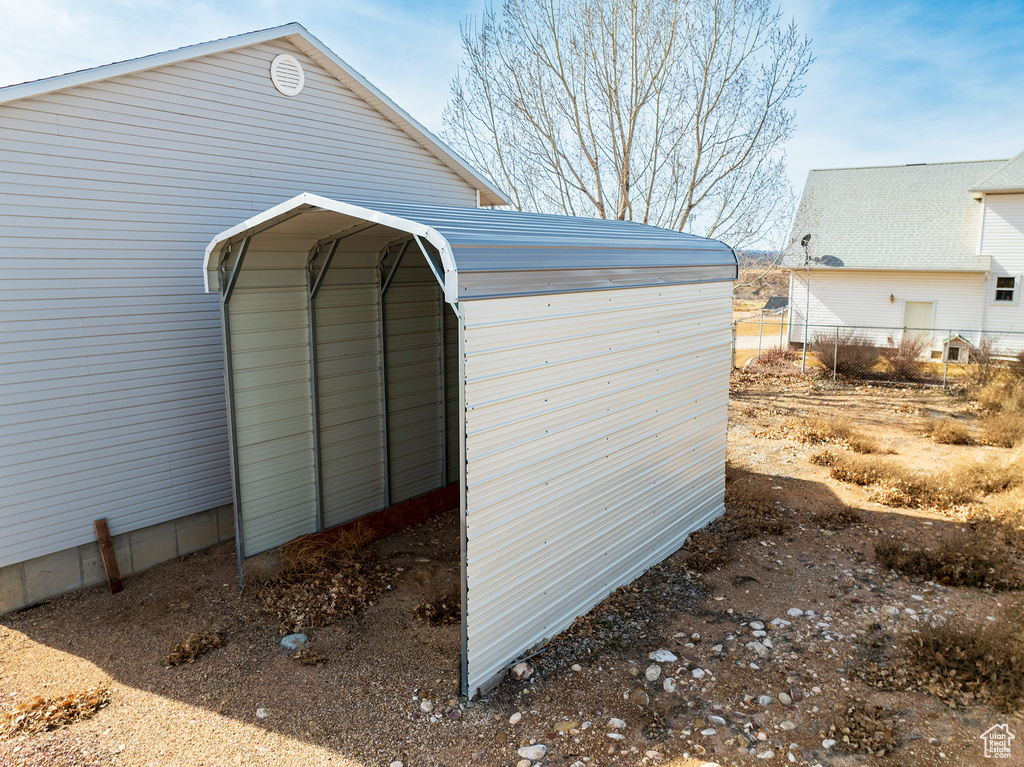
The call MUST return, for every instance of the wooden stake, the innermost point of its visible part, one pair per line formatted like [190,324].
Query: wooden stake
[109,558]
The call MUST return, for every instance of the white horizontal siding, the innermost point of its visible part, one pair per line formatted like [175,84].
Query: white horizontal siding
[111,393]
[1002,234]
[595,440]
[861,299]
[1003,240]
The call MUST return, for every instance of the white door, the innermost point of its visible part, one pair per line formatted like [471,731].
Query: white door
[917,320]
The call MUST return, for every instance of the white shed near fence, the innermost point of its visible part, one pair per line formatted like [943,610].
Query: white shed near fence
[571,374]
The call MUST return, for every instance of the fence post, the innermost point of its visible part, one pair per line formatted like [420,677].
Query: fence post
[945,357]
[835,355]
[782,325]
[734,343]
[803,355]
[760,330]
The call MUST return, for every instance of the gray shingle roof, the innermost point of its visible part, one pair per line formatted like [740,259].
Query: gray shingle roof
[1007,177]
[893,217]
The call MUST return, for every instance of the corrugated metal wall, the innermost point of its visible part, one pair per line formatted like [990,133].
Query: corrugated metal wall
[111,384]
[415,415]
[273,413]
[348,366]
[595,438]
[272,394]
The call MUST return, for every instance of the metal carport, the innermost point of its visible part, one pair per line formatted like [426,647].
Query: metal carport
[571,374]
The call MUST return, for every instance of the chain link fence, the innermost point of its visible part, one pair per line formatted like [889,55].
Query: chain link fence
[930,356]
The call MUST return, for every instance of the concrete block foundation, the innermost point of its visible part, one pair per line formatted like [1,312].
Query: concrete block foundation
[36,580]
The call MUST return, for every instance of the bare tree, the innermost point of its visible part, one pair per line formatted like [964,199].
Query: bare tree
[669,112]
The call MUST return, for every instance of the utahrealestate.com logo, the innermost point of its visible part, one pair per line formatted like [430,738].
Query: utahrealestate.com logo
[998,741]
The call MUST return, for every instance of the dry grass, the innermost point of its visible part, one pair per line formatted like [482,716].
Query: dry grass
[898,486]
[839,517]
[962,560]
[41,714]
[948,431]
[827,430]
[1002,519]
[193,645]
[1004,430]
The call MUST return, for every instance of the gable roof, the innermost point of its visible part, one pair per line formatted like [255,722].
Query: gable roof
[919,217]
[1008,177]
[312,47]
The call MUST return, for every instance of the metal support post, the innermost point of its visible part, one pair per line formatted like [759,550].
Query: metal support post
[734,343]
[760,332]
[227,287]
[945,357]
[312,288]
[443,365]
[835,355]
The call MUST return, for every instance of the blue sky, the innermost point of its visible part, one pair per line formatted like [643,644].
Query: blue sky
[894,82]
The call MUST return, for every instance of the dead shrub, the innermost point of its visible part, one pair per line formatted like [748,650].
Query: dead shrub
[41,714]
[824,430]
[961,560]
[1004,395]
[839,517]
[904,357]
[898,486]
[966,663]
[824,458]
[776,357]
[1004,430]
[982,367]
[962,662]
[1002,519]
[949,432]
[864,729]
[440,612]
[323,578]
[853,356]
[820,430]
[193,645]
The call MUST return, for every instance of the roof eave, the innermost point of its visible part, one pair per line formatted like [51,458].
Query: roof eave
[977,194]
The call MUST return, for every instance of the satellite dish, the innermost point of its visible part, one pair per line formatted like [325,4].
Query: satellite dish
[805,241]
[830,261]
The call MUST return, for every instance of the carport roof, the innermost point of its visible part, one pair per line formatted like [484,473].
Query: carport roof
[487,253]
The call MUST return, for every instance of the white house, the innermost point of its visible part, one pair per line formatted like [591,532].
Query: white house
[380,337]
[934,246]
[112,182]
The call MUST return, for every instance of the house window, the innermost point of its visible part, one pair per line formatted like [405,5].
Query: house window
[1006,288]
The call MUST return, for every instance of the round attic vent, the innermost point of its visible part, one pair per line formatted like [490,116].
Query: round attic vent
[287,75]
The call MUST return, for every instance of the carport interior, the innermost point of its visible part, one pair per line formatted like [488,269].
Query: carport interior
[343,374]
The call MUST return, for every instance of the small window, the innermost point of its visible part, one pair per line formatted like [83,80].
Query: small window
[954,354]
[1006,288]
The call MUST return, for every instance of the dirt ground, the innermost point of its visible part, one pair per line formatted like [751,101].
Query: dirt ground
[386,689]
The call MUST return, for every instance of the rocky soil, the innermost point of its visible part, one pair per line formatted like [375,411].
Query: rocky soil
[784,647]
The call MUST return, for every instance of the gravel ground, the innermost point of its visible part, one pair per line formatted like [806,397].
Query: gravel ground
[387,689]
